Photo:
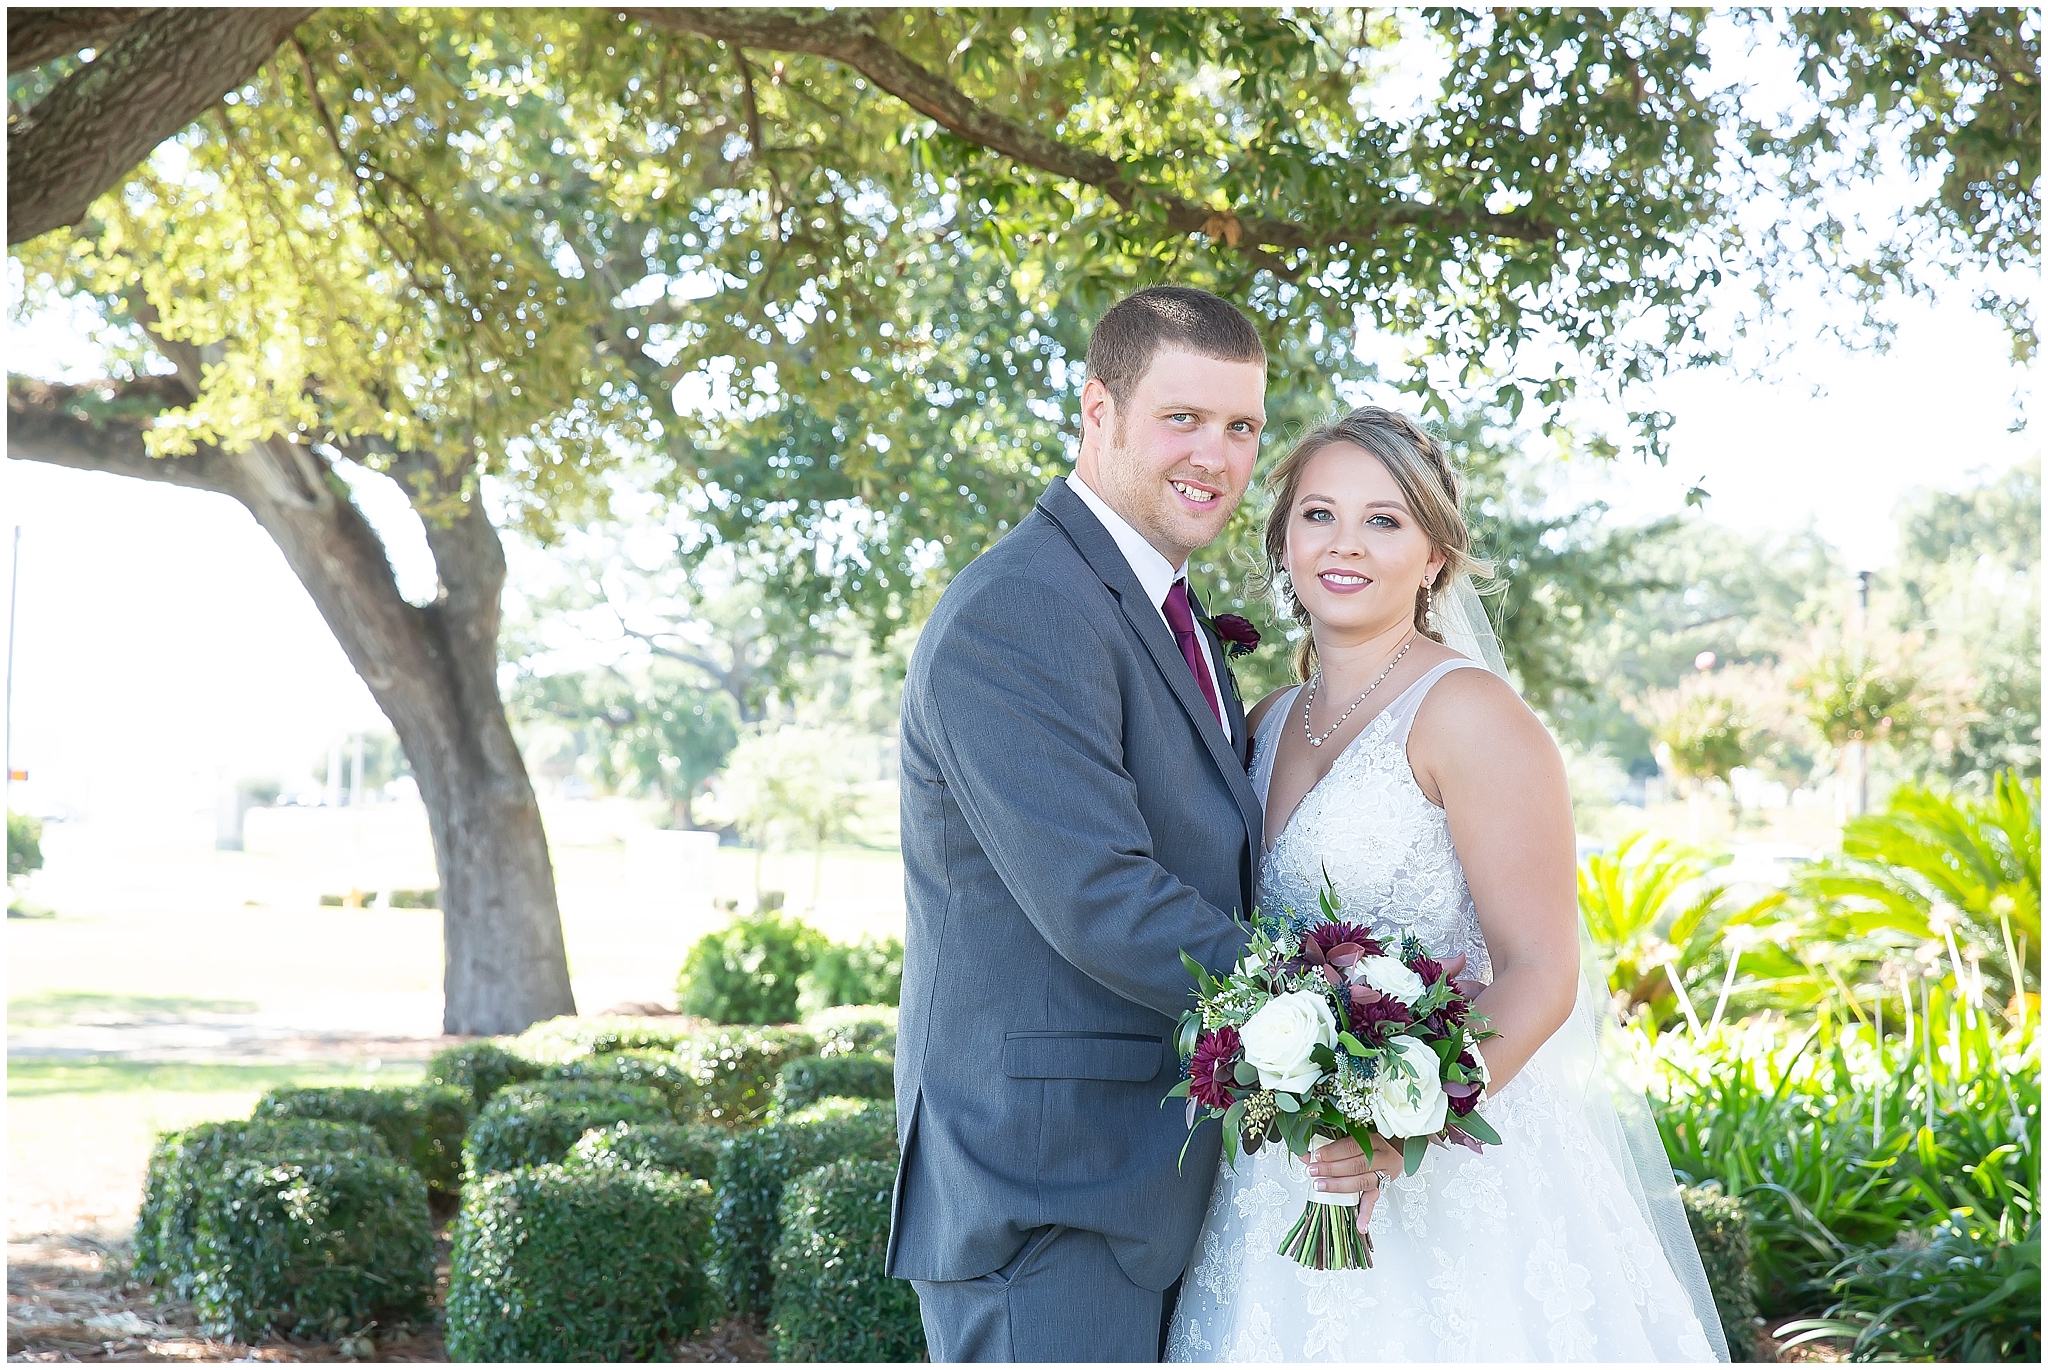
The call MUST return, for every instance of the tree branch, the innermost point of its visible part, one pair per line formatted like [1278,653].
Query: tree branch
[849,36]
[101,121]
[100,428]
[36,36]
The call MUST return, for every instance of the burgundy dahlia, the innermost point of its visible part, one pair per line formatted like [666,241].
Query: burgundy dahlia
[1430,971]
[1376,1018]
[1210,1072]
[1334,948]
[1239,636]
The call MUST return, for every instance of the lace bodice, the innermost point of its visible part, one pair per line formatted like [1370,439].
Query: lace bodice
[1386,846]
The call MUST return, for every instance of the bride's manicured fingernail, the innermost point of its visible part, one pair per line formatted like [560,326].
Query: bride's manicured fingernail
[1322,1184]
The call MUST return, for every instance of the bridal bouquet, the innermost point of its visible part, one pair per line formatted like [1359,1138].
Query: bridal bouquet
[1323,1031]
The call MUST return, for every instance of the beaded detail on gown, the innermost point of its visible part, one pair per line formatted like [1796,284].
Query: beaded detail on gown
[1533,1251]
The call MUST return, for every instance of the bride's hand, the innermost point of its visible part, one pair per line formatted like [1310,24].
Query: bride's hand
[1341,1168]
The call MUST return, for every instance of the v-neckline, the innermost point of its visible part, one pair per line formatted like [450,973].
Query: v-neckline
[1335,761]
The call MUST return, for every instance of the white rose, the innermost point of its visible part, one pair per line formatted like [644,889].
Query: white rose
[1280,1037]
[1410,1104]
[1392,979]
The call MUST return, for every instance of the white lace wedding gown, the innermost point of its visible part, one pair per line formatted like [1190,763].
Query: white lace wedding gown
[1535,1250]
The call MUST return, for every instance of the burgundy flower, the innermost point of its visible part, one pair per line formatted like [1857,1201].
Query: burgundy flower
[1334,948]
[1376,1017]
[1210,1071]
[1239,637]
[1430,971]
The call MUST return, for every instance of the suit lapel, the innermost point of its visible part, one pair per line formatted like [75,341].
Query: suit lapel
[1233,702]
[1101,553]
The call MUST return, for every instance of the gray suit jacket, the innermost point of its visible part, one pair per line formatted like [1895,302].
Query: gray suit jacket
[1073,818]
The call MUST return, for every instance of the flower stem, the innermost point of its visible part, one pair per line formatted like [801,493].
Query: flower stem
[1326,1237]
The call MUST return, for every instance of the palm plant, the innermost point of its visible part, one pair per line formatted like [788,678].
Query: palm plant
[1660,919]
[1936,866]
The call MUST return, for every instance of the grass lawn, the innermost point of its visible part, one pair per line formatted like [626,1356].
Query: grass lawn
[177,983]
[79,1131]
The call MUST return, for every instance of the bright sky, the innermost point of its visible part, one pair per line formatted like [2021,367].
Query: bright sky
[161,640]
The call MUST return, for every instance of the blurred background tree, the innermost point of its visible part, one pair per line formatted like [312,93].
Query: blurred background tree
[820,279]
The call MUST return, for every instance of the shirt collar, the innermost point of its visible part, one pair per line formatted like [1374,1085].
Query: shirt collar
[1153,571]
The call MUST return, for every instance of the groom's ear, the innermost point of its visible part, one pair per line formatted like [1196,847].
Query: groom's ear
[1098,406]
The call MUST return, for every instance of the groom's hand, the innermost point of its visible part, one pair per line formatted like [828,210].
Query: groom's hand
[1340,1167]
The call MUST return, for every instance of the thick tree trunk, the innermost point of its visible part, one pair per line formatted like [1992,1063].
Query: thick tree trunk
[433,671]
[162,71]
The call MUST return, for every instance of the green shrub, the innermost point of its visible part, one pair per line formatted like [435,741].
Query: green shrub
[1953,1294]
[537,1124]
[685,1150]
[869,971]
[24,844]
[855,1030]
[735,1070]
[480,1069]
[414,899]
[422,1124]
[658,1070]
[748,971]
[314,1245]
[569,1038]
[832,1299]
[553,1264]
[1720,1228]
[181,1163]
[756,1166]
[805,1081]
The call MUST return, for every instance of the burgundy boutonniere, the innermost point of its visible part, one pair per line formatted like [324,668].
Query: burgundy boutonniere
[1238,635]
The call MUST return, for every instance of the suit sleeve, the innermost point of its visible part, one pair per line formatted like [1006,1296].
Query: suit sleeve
[1023,697]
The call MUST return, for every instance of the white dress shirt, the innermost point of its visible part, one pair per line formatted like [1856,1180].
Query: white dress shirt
[1154,573]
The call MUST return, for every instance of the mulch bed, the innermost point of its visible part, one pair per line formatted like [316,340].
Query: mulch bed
[70,1299]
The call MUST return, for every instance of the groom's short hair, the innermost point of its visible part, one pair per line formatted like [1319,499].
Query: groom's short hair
[1176,316]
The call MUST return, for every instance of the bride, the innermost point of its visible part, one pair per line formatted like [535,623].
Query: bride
[1435,801]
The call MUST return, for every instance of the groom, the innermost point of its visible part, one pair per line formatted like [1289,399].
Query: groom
[1076,814]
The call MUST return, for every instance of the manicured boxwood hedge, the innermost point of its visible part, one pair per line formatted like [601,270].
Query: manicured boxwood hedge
[553,1264]
[568,1038]
[832,1300]
[735,1070]
[755,1168]
[1720,1228]
[808,1079]
[675,1147]
[659,1070]
[537,1124]
[317,1244]
[855,1030]
[183,1162]
[422,1124]
[480,1069]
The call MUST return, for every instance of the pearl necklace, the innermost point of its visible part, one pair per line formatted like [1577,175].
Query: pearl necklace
[1317,679]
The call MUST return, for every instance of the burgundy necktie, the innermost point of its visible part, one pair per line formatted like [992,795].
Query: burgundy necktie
[1181,619]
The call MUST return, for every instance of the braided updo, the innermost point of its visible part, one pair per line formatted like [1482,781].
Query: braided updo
[1416,461]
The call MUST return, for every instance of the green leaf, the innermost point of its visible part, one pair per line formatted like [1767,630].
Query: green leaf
[1245,1073]
[1413,1149]
[1353,1045]
[1285,1102]
[1476,1127]
[1233,1123]
[1179,1091]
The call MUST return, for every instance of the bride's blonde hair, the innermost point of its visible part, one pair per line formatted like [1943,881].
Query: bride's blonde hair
[1418,464]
